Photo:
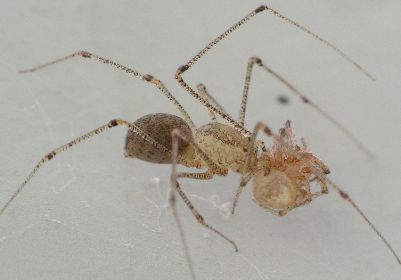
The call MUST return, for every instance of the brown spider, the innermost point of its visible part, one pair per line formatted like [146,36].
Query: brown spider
[281,173]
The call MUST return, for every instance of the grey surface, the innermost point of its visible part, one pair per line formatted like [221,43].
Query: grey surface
[93,214]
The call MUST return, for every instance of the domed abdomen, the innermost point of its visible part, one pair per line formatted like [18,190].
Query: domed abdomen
[158,126]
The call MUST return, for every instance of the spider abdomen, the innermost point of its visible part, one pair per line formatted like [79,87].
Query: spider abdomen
[159,127]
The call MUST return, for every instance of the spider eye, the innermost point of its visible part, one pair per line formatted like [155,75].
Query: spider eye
[274,190]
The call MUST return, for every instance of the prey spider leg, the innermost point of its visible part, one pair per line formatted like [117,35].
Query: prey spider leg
[347,198]
[248,174]
[240,124]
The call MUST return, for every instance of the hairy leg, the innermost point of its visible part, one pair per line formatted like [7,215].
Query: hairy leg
[65,147]
[180,71]
[213,169]
[144,77]
[259,62]
[203,91]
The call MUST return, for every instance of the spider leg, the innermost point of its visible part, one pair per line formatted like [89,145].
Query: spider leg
[65,147]
[235,26]
[259,62]
[175,187]
[145,77]
[347,198]
[322,189]
[203,91]
[213,169]
[250,170]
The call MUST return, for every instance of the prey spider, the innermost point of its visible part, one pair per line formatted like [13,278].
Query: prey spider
[281,173]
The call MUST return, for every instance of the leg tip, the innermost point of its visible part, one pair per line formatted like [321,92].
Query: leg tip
[24,71]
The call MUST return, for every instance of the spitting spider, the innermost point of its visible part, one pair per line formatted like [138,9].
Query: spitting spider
[281,172]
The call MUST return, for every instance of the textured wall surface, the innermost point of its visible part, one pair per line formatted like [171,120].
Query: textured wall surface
[93,214]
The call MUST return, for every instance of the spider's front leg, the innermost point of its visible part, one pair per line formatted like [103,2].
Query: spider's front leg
[51,155]
[132,72]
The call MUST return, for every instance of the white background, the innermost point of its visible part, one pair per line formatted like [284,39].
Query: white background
[93,214]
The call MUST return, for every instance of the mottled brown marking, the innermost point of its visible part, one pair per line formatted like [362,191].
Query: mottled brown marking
[258,61]
[182,69]
[268,131]
[49,156]
[260,9]
[85,54]
[148,77]
[113,123]
[304,99]
[344,194]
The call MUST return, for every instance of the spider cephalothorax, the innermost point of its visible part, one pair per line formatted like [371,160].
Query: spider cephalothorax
[283,180]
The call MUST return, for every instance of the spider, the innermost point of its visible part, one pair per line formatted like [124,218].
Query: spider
[281,173]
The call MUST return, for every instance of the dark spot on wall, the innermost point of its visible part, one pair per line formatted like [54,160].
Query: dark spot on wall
[283,99]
